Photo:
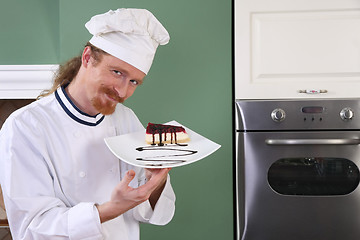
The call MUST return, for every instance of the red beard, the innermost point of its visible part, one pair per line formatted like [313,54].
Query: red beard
[106,107]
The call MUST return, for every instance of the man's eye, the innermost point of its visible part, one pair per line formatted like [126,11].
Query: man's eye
[117,72]
[134,82]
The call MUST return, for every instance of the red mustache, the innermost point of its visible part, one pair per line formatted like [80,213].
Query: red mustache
[112,93]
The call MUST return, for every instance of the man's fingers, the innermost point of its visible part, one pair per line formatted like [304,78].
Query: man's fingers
[129,176]
[158,176]
[155,171]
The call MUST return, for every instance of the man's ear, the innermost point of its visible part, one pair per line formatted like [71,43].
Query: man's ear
[85,59]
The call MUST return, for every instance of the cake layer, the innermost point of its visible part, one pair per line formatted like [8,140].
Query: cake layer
[160,134]
[180,137]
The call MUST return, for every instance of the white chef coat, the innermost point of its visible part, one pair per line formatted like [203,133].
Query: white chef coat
[55,166]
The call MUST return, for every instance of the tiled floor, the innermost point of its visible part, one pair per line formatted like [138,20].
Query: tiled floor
[6,108]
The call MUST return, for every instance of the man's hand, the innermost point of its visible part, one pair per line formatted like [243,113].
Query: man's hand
[124,197]
[157,192]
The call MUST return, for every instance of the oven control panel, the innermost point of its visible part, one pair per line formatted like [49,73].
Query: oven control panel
[279,114]
[298,114]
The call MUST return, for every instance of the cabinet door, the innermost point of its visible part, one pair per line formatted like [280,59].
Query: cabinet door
[284,49]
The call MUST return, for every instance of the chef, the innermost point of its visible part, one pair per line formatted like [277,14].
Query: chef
[59,180]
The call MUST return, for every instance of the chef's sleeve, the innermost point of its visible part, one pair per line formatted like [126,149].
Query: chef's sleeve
[164,209]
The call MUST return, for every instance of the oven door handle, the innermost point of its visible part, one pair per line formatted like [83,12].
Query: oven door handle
[333,141]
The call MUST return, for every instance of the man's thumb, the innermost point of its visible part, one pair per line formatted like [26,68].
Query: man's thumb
[129,176]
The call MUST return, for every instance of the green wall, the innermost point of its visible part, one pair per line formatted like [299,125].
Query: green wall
[190,81]
[29,32]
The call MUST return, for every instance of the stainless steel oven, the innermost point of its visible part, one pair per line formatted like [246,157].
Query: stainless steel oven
[298,169]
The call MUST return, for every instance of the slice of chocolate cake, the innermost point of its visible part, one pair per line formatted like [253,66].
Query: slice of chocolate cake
[161,133]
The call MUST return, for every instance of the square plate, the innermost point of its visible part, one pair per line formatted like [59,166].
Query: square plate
[132,148]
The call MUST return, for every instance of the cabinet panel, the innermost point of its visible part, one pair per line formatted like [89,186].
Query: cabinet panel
[282,51]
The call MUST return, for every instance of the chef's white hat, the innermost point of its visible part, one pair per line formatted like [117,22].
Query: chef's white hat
[131,35]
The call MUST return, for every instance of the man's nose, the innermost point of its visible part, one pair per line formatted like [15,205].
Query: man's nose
[121,88]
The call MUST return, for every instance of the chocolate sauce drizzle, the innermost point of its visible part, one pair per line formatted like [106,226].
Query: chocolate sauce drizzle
[160,147]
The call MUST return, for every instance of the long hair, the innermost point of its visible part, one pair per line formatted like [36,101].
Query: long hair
[68,71]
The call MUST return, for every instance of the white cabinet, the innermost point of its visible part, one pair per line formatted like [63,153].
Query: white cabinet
[284,48]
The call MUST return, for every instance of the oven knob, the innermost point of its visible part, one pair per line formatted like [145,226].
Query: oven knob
[278,115]
[347,114]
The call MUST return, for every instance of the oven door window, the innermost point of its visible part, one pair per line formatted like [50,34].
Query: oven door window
[313,176]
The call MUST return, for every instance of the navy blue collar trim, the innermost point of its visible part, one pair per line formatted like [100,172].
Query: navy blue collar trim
[74,112]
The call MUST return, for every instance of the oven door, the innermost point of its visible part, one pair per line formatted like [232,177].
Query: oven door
[298,185]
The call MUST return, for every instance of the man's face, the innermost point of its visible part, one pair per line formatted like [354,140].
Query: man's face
[111,81]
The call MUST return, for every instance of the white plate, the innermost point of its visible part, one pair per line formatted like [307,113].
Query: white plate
[125,148]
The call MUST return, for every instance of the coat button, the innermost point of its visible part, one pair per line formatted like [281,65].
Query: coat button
[82,174]
[77,134]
